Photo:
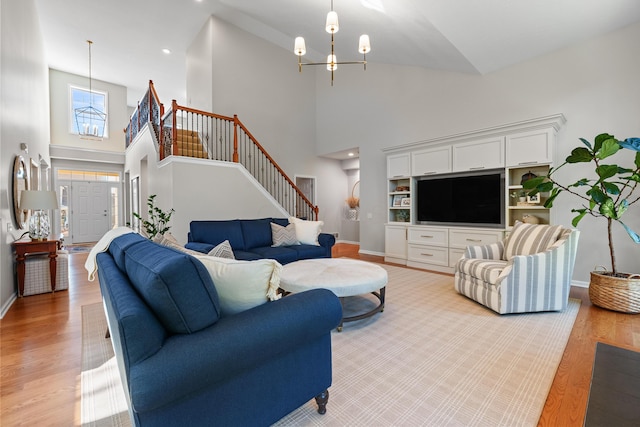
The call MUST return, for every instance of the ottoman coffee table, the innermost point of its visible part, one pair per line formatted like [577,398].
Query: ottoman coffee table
[343,276]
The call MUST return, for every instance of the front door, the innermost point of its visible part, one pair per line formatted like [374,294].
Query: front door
[90,216]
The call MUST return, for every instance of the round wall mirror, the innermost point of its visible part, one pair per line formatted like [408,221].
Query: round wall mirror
[20,182]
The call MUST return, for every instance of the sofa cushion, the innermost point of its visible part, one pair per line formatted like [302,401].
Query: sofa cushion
[529,239]
[256,233]
[118,246]
[307,231]
[176,286]
[282,254]
[487,270]
[223,250]
[242,285]
[283,236]
[309,251]
[216,232]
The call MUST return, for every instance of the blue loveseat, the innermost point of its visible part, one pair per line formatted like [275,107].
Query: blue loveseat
[182,363]
[251,239]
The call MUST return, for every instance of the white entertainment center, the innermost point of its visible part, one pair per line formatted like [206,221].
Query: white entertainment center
[516,149]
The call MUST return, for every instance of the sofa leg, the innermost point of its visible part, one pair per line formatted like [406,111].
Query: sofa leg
[322,400]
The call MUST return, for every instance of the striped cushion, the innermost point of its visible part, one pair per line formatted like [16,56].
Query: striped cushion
[486,270]
[529,239]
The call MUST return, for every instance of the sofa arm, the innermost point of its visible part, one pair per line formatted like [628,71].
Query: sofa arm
[326,240]
[491,251]
[199,246]
[189,363]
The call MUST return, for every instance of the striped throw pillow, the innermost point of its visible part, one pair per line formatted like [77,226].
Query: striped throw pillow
[529,239]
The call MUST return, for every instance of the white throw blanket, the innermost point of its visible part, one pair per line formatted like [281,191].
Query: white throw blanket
[102,245]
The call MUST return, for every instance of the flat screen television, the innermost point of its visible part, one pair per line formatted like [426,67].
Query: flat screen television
[467,199]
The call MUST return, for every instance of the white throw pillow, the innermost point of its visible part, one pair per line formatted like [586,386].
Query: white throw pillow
[223,250]
[242,285]
[283,236]
[307,231]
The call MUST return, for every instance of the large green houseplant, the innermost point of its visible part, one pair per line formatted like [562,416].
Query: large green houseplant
[607,194]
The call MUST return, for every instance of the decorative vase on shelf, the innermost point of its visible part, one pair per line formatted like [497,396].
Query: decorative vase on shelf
[352,214]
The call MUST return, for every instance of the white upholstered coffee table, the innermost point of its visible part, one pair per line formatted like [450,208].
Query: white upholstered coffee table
[343,276]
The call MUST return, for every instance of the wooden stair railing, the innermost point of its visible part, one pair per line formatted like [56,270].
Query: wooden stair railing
[184,131]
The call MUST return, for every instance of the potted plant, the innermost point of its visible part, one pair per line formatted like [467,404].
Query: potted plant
[607,194]
[158,220]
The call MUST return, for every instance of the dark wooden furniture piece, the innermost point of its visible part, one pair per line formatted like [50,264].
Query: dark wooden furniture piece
[28,247]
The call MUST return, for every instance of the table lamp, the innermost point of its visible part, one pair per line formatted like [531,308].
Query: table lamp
[39,202]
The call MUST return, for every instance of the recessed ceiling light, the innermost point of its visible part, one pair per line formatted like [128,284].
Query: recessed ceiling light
[166,51]
[351,154]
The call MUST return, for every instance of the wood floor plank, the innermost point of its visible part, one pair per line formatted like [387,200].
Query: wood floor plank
[41,335]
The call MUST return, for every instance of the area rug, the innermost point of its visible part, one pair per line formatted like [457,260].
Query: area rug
[433,357]
[614,394]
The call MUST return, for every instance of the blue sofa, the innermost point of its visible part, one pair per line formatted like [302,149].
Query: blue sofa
[182,363]
[251,239]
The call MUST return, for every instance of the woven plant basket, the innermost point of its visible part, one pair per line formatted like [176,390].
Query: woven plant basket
[615,293]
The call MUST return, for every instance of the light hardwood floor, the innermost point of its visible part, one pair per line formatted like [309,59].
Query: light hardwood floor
[41,338]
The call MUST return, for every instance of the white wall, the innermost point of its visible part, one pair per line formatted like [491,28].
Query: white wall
[200,69]
[594,84]
[117,119]
[260,83]
[24,116]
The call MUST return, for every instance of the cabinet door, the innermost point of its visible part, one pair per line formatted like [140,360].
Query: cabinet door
[395,241]
[529,148]
[429,162]
[476,155]
[398,166]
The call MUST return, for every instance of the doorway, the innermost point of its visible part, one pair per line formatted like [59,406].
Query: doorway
[306,184]
[89,204]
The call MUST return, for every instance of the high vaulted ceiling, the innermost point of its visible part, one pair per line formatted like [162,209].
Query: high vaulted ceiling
[469,36]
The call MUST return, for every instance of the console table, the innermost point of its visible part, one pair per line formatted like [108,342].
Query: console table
[28,247]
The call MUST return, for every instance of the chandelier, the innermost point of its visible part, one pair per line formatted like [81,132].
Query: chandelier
[90,120]
[364,47]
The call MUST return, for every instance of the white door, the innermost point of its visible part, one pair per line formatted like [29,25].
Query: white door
[90,211]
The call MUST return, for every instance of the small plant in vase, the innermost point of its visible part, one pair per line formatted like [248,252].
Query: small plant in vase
[607,194]
[158,219]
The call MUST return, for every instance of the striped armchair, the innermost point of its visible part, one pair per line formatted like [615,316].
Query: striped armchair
[529,271]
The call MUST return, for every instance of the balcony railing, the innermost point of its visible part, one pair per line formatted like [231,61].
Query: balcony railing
[184,131]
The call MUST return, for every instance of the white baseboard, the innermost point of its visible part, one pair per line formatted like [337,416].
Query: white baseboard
[580,284]
[347,241]
[361,251]
[8,304]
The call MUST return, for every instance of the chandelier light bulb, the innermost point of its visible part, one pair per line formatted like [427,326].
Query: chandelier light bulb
[299,46]
[332,63]
[332,22]
[365,45]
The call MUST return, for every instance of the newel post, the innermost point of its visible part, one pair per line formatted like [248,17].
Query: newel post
[174,130]
[235,138]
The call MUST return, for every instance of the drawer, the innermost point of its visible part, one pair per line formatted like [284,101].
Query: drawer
[429,254]
[429,236]
[454,256]
[468,237]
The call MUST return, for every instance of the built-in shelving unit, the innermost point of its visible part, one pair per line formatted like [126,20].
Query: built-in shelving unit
[520,148]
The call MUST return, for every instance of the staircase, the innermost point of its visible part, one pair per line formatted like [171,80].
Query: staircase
[188,132]
[188,144]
